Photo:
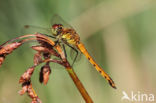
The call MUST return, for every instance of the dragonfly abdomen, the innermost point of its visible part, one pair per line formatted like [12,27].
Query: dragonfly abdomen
[82,48]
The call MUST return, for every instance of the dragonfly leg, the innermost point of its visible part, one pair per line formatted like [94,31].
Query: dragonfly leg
[56,42]
[75,51]
[50,36]
[64,49]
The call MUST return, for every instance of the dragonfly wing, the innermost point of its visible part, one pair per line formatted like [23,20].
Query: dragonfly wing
[27,29]
[56,19]
[73,54]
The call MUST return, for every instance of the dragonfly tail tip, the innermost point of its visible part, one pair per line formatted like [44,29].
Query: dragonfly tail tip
[112,84]
[114,87]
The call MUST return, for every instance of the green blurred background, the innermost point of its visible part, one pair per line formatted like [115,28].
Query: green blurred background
[119,34]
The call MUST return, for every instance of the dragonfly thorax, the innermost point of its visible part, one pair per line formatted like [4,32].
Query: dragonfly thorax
[70,36]
[67,35]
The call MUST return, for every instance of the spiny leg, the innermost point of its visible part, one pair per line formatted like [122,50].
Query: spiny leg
[50,36]
[64,49]
[75,51]
[57,42]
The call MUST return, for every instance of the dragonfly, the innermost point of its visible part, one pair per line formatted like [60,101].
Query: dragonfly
[67,35]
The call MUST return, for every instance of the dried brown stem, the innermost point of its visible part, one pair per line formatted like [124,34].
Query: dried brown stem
[72,74]
[79,85]
[27,88]
[47,48]
[69,69]
[75,79]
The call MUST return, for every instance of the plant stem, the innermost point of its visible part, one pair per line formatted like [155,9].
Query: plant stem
[63,61]
[79,85]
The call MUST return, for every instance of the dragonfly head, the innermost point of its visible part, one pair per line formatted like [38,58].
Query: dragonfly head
[57,29]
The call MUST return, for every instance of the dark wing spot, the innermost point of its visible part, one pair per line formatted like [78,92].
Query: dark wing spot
[88,58]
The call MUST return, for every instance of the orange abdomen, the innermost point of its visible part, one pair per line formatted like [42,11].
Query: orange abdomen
[82,48]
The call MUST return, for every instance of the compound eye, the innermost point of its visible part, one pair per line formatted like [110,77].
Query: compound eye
[60,27]
[55,26]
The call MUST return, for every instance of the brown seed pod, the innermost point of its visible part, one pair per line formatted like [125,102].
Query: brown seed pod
[46,55]
[1,59]
[25,86]
[36,101]
[45,50]
[45,44]
[27,75]
[33,95]
[37,58]
[9,48]
[39,48]
[44,74]
[24,89]
[31,92]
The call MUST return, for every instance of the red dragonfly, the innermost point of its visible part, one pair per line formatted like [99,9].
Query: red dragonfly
[66,35]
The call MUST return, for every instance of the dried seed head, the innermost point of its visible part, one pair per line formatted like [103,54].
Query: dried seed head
[31,92]
[1,60]
[46,55]
[39,48]
[34,101]
[37,58]
[27,75]
[44,74]
[25,86]
[45,44]
[45,50]
[37,100]
[24,89]
[9,48]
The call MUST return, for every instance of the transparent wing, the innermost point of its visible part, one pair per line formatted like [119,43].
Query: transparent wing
[27,29]
[56,19]
[73,54]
